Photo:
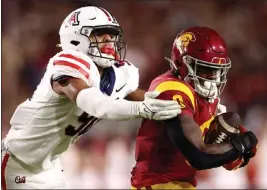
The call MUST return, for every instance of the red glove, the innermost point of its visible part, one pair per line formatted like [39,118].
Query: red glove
[241,162]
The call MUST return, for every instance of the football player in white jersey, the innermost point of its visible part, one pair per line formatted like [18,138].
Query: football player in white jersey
[87,81]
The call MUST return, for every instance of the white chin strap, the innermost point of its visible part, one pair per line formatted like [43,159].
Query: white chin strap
[209,90]
[102,62]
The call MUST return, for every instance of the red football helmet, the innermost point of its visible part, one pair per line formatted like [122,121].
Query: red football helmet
[199,56]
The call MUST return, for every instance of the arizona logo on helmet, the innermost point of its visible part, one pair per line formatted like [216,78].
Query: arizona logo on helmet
[74,19]
[183,40]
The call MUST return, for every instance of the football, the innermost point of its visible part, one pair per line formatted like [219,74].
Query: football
[222,128]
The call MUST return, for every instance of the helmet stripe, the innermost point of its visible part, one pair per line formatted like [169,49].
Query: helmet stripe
[106,13]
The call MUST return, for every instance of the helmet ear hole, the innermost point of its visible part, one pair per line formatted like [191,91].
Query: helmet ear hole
[74,42]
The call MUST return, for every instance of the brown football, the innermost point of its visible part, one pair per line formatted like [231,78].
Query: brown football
[222,128]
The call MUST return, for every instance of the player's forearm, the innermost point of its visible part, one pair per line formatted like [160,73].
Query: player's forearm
[216,148]
[193,134]
[95,103]
[193,152]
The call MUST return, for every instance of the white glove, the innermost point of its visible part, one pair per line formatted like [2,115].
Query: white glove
[221,109]
[155,109]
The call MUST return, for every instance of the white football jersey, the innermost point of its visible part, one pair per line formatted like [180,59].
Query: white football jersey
[44,126]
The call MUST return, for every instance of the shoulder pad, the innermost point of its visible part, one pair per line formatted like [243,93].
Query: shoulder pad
[178,86]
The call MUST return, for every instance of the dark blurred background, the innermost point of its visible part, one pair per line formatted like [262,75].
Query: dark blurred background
[104,157]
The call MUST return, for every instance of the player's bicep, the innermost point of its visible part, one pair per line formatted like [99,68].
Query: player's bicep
[69,86]
[191,130]
[187,125]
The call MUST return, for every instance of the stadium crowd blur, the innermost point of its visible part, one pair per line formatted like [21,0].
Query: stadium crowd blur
[104,157]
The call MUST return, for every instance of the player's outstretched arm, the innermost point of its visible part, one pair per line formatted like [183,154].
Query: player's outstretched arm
[137,95]
[141,95]
[187,136]
[95,103]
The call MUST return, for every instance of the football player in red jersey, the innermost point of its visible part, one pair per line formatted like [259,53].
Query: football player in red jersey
[168,154]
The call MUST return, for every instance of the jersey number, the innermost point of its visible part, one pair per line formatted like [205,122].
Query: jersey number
[179,99]
[87,122]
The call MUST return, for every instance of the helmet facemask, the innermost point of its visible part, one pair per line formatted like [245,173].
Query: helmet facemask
[107,52]
[209,78]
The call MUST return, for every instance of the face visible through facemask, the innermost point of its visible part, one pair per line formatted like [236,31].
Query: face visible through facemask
[107,46]
[104,43]
[207,81]
[208,74]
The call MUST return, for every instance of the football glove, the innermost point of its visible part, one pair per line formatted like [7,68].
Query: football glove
[221,109]
[248,152]
[244,142]
[155,109]
[247,155]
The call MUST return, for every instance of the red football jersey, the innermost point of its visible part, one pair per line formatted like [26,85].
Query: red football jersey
[157,160]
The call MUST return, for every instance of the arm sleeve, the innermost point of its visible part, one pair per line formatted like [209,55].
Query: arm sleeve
[199,160]
[103,107]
